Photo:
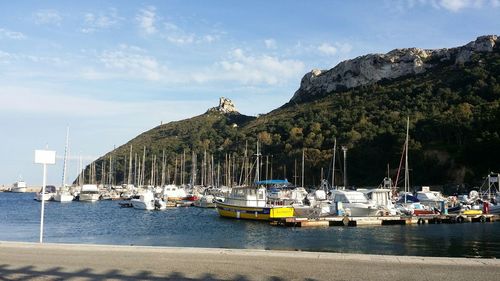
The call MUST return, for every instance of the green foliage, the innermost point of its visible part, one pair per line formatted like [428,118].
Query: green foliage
[454,115]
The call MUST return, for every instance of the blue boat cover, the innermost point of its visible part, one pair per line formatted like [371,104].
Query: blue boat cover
[264,182]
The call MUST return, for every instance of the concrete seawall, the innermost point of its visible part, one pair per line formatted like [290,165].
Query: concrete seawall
[33,261]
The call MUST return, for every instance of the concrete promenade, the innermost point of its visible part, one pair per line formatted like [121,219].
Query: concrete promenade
[33,261]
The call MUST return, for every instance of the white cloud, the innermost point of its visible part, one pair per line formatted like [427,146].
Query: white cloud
[94,22]
[452,5]
[47,16]
[133,62]
[252,70]
[327,49]
[270,43]
[62,102]
[334,49]
[146,19]
[6,57]
[176,35]
[5,33]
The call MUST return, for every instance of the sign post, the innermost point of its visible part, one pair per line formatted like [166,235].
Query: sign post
[44,157]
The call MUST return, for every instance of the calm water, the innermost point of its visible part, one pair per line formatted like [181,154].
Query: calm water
[105,222]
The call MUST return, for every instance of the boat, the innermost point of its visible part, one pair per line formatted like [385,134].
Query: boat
[50,191]
[89,193]
[352,203]
[19,187]
[147,201]
[172,192]
[381,198]
[250,202]
[205,201]
[63,194]
[433,199]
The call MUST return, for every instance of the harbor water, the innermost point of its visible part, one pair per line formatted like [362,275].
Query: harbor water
[104,222]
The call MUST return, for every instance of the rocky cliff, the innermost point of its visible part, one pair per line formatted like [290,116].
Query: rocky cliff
[371,68]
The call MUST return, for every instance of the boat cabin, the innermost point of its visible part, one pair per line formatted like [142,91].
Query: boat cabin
[247,196]
[348,197]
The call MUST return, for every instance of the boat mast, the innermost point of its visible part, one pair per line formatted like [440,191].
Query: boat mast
[65,158]
[333,164]
[257,170]
[407,175]
[344,149]
[129,178]
[303,161]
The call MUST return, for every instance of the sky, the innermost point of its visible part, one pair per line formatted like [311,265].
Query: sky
[110,70]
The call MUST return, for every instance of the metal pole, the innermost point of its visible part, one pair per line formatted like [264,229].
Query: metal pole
[43,201]
[303,153]
[333,164]
[344,149]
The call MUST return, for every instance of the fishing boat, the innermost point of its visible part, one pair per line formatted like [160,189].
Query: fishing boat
[48,195]
[89,193]
[19,187]
[250,202]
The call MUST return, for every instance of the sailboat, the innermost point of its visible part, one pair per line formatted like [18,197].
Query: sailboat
[409,204]
[63,194]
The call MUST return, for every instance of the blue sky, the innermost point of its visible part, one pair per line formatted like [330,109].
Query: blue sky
[111,70]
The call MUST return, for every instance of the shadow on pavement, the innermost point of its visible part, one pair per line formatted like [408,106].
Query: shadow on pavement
[10,273]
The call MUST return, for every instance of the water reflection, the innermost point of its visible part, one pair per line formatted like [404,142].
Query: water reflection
[105,222]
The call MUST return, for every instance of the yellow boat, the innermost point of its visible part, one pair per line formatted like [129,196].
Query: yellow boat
[250,202]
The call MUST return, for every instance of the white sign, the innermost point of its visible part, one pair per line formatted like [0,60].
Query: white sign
[45,157]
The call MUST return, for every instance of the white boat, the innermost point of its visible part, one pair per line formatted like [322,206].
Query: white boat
[205,201]
[63,195]
[429,198]
[352,203]
[89,193]
[381,198]
[172,192]
[147,201]
[50,191]
[19,187]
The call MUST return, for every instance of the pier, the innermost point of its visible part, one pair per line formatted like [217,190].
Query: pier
[386,220]
[33,261]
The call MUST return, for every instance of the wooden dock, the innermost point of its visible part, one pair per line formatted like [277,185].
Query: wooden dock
[385,220]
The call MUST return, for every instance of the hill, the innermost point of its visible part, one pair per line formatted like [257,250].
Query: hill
[452,97]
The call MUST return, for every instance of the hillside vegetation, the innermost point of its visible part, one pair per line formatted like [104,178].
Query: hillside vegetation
[454,112]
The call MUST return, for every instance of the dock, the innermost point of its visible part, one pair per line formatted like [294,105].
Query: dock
[385,220]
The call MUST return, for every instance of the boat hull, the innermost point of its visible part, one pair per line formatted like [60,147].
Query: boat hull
[141,205]
[44,197]
[253,213]
[63,197]
[18,189]
[89,197]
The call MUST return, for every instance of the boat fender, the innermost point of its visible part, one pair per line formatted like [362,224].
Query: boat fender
[345,221]
[460,219]
[482,219]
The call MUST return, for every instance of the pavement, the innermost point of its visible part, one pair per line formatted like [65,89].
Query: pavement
[34,261]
